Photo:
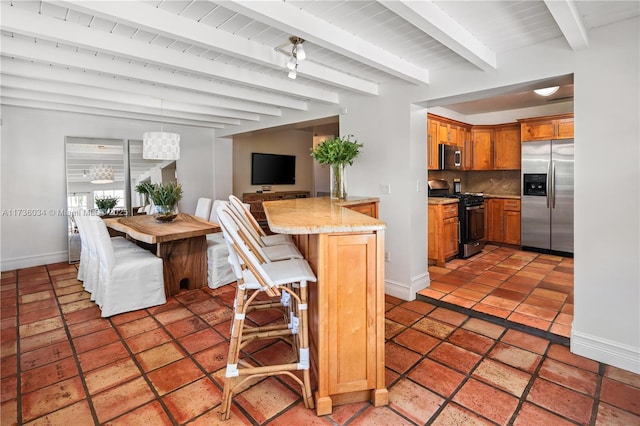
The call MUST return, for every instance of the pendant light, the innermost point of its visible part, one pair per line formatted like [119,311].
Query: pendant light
[101,174]
[161,145]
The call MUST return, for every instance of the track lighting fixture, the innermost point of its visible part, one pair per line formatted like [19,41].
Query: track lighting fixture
[297,54]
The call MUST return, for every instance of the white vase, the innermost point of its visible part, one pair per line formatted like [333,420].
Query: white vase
[338,178]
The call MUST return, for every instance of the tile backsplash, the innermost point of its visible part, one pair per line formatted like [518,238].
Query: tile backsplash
[495,182]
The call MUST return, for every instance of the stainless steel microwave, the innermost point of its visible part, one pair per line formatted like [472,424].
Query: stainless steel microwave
[449,157]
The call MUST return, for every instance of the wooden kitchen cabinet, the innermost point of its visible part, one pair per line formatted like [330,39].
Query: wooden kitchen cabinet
[494,148]
[443,232]
[432,144]
[441,130]
[545,128]
[346,303]
[370,208]
[481,148]
[507,147]
[503,220]
[494,210]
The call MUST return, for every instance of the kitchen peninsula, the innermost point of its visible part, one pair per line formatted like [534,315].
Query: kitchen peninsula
[346,306]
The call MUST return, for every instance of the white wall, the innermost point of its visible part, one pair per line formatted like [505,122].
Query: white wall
[33,175]
[606,322]
[393,153]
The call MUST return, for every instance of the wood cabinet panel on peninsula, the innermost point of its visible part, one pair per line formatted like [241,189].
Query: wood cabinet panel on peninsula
[369,208]
[443,231]
[346,304]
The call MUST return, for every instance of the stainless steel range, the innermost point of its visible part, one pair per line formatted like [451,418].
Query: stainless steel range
[471,210]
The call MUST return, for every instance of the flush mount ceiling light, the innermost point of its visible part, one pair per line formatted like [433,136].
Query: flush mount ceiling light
[297,54]
[161,145]
[101,174]
[547,91]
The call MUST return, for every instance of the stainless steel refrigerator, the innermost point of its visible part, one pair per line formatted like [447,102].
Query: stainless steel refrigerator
[547,196]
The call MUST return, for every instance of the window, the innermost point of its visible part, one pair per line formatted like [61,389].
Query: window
[110,193]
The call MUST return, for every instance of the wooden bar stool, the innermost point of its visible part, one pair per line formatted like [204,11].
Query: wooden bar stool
[285,284]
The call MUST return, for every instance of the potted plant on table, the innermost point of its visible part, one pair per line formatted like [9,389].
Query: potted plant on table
[165,197]
[337,152]
[105,204]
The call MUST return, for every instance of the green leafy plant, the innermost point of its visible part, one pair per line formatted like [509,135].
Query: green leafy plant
[165,195]
[144,188]
[338,150]
[106,203]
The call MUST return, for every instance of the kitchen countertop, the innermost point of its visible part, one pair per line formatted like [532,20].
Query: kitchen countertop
[319,215]
[511,197]
[441,200]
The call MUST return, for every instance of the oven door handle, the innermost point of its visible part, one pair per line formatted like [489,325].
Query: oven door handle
[481,206]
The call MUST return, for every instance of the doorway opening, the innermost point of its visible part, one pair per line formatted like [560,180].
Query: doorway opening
[503,283]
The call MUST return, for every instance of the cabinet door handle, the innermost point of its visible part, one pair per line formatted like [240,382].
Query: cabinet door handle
[493,145]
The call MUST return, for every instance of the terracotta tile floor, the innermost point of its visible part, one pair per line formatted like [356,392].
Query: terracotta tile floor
[530,289]
[64,365]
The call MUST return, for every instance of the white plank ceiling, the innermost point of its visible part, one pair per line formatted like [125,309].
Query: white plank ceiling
[220,64]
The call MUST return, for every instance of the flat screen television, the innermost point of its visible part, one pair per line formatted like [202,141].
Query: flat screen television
[273,169]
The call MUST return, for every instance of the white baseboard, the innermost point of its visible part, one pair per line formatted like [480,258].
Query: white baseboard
[29,261]
[606,351]
[401,291]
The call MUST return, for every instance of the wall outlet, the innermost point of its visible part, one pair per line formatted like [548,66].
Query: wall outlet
[387,256]
[385,188]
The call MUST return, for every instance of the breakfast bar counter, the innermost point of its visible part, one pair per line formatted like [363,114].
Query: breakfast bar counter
[346,305]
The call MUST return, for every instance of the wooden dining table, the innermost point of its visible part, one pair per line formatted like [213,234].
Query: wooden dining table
[182,245]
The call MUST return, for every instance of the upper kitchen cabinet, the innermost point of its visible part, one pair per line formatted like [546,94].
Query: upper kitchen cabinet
[441,130]
[506,149]
[432,144]
[545,128]
[494,148]
[480,150]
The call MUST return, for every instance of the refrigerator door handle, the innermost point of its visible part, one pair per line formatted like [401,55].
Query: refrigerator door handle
[548,182]
[553,186]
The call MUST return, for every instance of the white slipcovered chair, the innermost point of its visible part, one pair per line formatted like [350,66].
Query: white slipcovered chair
[203,208]
[84,247]
[88,270]
[129,278]
[219,269]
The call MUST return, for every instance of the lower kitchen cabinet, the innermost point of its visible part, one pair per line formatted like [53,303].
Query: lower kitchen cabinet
[443,232]
[503,220]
